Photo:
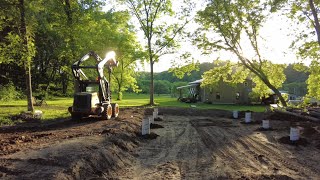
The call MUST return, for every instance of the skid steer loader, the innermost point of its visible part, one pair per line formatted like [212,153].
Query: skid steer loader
[92,96]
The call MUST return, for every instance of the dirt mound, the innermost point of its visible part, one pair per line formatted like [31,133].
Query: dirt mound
[266,177]
[251,122]
[148,136]
[66,149]
[210,146]
[309,131]
[195,112]
[263,129]
[158,119]
[284,117]
[155,126]
[300,142]
[148,111]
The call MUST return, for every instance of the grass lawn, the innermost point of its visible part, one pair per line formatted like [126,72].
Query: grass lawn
[167,101]
[58,107]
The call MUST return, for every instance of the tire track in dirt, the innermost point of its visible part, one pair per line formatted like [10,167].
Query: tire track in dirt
[179,153]
[225,161]
[275,155]
[192,163]
[262,158]
[217,148]
[240,145]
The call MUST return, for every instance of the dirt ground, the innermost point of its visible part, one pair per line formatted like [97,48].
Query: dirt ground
[185,144]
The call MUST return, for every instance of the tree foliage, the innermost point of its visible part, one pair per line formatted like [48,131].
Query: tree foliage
[128,51]
[17,20]
[160,33]
[313,80]
[307,42]
[235,73]
[224,26]
[305,14]
[58,34]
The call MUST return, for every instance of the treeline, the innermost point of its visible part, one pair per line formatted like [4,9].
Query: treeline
[166,82]
[39,41]
[295,80]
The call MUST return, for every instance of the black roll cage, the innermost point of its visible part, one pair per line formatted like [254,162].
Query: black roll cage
[104,84]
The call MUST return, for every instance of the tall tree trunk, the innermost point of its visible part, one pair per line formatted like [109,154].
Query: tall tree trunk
[151,84]
[316,20]
[119,92]
[68,12]
[120,82]
[27,64]
[50,79]
[151,73]
[262,77]
[64,83]
[28,85]
[277,92]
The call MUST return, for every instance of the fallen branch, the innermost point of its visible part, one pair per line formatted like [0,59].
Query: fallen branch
[315,114]
[298,115]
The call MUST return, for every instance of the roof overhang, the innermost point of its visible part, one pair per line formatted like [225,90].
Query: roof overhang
[190,85]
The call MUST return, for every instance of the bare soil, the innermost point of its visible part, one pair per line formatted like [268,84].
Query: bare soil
[193,144]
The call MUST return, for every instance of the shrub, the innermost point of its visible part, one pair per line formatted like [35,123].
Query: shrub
[9,92]
[5,121]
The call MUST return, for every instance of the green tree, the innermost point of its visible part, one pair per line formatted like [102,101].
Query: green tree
[128,51]
[162,87]
[296,75]
[158,31]
[313,80]
[17,45]
[233,21]
[58,34]
[60,43]
[181,70]
[235,73]
[144,85]
[175,92]
[307,42]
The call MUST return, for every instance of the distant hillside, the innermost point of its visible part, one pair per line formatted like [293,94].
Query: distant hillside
[195,75]
[291,74]
[165,82]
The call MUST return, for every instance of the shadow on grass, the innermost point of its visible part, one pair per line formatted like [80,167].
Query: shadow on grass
[50,124]
[4,106]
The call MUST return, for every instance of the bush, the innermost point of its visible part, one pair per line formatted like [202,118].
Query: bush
[5,121]
[9,92]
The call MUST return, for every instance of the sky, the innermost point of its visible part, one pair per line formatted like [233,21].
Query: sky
[275,41]
[274,46]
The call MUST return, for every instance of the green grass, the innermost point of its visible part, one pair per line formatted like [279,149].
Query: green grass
[168,101]
[58,107]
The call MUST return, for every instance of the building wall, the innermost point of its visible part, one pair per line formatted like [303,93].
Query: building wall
[228,94]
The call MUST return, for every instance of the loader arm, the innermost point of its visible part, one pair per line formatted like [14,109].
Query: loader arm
[104,86]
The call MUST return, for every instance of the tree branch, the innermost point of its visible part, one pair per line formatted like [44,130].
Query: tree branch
[316,20]
[173,36]
[135,10]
